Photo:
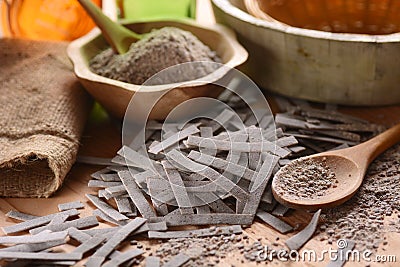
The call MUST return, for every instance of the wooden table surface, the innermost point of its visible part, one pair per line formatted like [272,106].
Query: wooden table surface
[103,139]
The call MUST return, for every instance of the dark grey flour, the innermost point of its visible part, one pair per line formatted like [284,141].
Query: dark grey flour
[213,251]
[362,218]
[305,178]
[157,51]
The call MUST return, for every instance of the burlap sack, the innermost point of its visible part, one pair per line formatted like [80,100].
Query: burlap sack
[43,110]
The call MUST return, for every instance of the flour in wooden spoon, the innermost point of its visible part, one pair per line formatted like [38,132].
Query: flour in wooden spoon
[305,179]
[374,211]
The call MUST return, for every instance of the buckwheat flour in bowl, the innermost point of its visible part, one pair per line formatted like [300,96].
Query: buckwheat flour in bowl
[156,51]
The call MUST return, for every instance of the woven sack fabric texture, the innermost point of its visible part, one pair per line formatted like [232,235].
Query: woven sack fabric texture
[43,110]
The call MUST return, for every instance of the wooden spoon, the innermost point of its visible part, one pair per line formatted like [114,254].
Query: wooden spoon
[116,35]
[349,166]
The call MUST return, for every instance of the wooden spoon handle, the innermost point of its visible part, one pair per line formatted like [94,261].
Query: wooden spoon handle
[117,36]
[369,150]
